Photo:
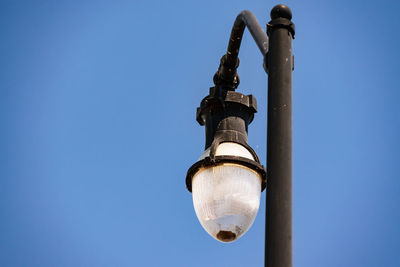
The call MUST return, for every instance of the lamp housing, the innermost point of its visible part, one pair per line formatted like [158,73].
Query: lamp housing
[227,180]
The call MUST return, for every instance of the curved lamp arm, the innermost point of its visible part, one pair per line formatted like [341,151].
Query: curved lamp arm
[226,74]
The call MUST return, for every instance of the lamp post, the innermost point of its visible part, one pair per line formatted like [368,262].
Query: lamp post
[228,178]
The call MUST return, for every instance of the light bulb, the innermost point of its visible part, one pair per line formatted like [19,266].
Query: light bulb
[226,197]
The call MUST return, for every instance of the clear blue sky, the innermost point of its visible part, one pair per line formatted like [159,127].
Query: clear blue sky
[97,113]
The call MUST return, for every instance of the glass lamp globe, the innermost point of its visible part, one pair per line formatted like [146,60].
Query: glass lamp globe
[226,197]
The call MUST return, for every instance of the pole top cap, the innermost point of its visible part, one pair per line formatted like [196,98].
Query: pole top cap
[281,11]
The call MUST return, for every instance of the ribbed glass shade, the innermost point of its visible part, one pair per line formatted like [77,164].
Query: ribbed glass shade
[226,199]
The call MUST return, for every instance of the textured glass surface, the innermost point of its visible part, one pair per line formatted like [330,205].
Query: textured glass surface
[226,200]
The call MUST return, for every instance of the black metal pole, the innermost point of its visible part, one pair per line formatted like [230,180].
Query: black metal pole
[279,64]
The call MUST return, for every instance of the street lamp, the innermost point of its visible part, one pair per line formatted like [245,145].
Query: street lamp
[227,180]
